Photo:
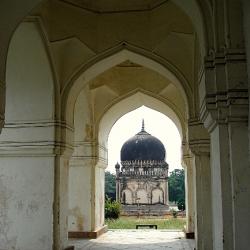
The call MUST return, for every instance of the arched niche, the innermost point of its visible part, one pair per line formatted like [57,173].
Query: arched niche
[157,196]
[28,142]
[142,196]
[127,197]
[29,76]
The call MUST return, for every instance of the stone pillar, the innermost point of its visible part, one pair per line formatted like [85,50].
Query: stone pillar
[166,200]
[188,164]
[240,169]
[86,193]
[61,203]
[30,147]
[117,182]
[99,202]
[231,188]
[221,189]
[80,176]
[224,111]
[199,145]
[27,185]
[202,180]
[246,14]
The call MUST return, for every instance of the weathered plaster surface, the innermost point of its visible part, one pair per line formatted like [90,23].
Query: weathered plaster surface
[26,203]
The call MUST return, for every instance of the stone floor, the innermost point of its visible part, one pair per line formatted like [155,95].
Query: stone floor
[135,240]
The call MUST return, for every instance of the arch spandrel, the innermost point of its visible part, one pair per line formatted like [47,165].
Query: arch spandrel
[114,59]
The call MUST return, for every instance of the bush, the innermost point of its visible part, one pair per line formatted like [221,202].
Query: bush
[112,209]
[181,205]
[174,213]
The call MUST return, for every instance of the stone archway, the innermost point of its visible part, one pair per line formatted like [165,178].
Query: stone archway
[197,136]
[91,139]
[116,56]
[223,107]
[62,162]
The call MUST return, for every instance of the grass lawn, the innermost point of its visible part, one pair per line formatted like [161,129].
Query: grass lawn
[130,222]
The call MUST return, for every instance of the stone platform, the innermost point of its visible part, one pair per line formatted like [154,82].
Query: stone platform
[145,210]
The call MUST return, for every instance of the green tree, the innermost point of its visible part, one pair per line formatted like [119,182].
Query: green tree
[176,186]
[110,185]
[112,209]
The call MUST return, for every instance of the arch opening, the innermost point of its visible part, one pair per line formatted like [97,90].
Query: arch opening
[155,123]
[92,125]
[150,195]
[131,103]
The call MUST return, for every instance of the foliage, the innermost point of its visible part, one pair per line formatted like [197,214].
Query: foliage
[131,222]
[112,209]
[181,205]
[110,185]
[176,185]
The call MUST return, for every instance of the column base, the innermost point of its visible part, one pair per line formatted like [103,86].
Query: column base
[88,235]
[188,235]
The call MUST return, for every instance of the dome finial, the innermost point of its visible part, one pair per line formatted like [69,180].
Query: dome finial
[142,126]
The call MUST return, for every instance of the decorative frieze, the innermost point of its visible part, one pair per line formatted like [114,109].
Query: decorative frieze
[36,138]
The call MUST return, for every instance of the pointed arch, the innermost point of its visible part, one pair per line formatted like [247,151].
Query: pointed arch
[114,57]
[130,103]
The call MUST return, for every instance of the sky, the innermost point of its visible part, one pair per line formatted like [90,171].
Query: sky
[156,124]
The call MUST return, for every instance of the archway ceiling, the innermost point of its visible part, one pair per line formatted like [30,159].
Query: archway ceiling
[127,76]
[78,35]
[63,20]
[123,79]
[103,6]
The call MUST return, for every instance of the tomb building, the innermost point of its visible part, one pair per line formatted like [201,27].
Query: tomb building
[142,175]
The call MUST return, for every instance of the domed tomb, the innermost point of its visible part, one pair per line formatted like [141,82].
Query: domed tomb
[143,146]
[142,177]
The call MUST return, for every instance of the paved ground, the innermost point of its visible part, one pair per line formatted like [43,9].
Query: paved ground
[136,240]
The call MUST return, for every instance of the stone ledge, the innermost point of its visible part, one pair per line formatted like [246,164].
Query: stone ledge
[88,235]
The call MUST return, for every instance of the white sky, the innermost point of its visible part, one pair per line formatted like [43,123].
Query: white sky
[156,124]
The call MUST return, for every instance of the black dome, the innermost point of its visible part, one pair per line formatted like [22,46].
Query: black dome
[143,146]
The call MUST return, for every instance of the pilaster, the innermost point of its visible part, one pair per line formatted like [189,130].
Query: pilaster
[34,168]
[224,111]
[188,165]
[246,15]
[86,191]
[202,178]
[200,149]
[61,198]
